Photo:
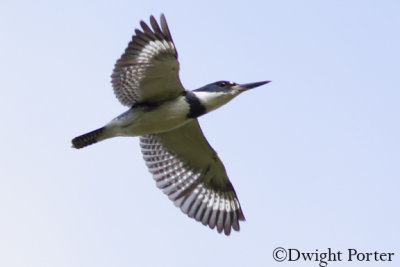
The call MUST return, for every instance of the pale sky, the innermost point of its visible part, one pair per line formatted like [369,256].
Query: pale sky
[314,155]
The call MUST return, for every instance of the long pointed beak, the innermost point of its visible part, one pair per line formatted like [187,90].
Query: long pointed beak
[247,86]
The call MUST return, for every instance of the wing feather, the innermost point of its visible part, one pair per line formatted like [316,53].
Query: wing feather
[148,71]
[190,173]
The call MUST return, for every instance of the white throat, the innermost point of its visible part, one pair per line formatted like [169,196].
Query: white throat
[213,100]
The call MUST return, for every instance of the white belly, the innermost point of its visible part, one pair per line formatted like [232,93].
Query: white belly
[143,120]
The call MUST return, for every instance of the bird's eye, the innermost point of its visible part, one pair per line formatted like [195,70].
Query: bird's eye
[222,84]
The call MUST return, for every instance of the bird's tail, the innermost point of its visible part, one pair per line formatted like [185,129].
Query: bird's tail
[88,138]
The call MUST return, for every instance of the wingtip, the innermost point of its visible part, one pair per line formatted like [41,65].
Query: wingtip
[142,24]
[164,27]
[162,16]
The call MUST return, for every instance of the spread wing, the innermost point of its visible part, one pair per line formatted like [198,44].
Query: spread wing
[188,170]
[148,71]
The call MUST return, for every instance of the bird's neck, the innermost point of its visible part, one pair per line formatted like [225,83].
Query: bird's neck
[211,100]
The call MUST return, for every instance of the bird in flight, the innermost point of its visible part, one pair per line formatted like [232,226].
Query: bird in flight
[164,116]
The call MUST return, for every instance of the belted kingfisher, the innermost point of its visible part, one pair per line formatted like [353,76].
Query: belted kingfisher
[164,115]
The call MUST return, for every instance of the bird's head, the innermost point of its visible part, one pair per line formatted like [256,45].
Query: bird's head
[216,94]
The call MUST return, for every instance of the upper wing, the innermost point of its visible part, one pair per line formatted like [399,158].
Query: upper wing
[148,71]
[190,172]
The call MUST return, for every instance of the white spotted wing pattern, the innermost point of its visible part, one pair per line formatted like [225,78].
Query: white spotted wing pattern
[190,173]
[148,71]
